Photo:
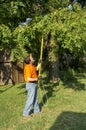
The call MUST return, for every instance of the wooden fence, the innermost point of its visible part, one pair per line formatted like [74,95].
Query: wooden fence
[11,73]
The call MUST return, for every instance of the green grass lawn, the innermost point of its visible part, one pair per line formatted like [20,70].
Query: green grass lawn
[63,106]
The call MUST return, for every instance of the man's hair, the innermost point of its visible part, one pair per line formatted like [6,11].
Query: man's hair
[27,60]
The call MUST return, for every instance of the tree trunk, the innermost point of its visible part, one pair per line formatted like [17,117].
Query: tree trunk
[53,70]
[53,58]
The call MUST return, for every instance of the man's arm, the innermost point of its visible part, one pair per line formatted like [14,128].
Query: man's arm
[32,79]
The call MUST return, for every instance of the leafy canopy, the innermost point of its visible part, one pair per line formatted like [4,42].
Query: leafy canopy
[67,28]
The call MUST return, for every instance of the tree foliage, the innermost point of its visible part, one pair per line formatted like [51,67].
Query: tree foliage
[5,37]
[67,29]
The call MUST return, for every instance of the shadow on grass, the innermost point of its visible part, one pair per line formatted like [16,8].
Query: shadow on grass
[70,121]
[48,90]
[69,80]
[23,86]
[4,89]
[73,81]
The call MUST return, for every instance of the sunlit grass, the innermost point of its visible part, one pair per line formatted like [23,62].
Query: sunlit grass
[63,106]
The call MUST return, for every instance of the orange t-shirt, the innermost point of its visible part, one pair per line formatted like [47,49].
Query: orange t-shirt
[29,72]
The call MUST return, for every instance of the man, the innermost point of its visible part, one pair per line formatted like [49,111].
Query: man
[31,79]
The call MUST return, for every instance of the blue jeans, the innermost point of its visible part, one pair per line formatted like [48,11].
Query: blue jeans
[32,99]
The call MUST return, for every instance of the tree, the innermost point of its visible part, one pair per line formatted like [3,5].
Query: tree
[62,30]
[12,14]
[67,32]
[5,38]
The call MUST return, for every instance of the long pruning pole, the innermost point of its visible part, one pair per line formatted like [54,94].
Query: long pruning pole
[41,54]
